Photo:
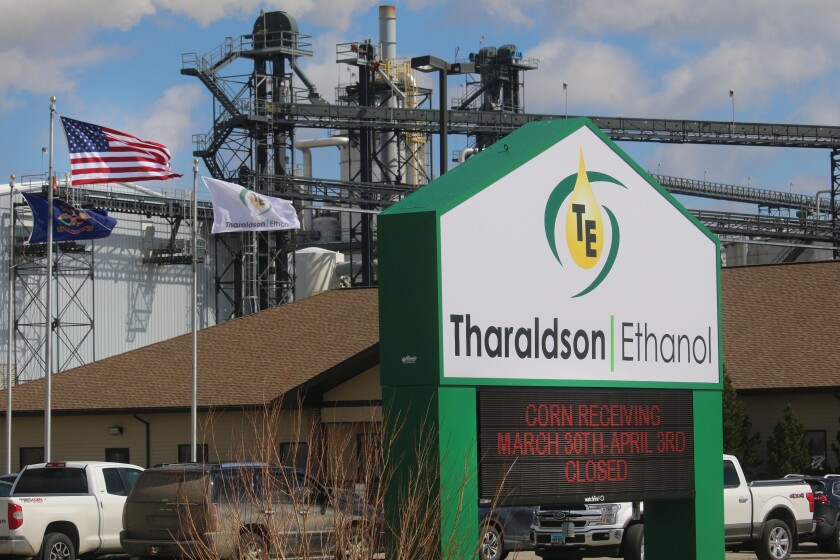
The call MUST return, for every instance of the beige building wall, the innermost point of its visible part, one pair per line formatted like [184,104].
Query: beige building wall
[230,435]
[352,421]
[348,427]
[363,387]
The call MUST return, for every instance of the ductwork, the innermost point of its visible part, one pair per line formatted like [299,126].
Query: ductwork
[305,147]
[465,153]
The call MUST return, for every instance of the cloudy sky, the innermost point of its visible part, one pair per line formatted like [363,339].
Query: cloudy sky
[118,64]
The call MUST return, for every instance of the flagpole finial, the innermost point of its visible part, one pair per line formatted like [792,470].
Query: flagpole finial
[53,99]
[12,177]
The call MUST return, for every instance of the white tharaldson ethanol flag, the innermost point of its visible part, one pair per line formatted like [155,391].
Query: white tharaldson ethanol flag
[236,208]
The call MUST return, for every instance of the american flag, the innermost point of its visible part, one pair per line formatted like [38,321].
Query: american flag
[104,155]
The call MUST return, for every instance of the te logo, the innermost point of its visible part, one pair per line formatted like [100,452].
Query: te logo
[584,222]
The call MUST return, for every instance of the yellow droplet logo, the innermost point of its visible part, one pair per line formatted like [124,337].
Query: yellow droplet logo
[584,225]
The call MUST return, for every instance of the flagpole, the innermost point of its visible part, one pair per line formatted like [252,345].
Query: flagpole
[10,317]
[194,404]
[48,303]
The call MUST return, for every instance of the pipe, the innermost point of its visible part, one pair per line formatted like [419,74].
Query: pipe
[305,147]
[817,196]
[352,268]
[388,54]
[416,158]
[314,97]
[148,440]
[465,153]
[391,85]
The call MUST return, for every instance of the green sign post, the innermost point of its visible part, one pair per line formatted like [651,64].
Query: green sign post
[550,332]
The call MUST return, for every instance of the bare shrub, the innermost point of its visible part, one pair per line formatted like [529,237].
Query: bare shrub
[335,505]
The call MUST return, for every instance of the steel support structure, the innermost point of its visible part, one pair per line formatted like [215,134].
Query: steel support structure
[257,113]
[71,321]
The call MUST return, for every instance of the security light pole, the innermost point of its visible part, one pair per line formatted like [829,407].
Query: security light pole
[430,63]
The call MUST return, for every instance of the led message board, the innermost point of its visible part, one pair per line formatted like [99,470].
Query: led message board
[548,446]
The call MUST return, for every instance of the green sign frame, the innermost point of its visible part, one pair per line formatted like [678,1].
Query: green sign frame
[421,403]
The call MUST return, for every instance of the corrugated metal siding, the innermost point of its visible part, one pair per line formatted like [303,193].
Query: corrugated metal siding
[138,304]
[131,304]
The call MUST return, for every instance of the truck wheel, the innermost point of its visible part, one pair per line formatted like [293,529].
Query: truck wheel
[634,542]
[57,546]
[251,547]
[492,544]
[355,549]
[833,543]
[775,542]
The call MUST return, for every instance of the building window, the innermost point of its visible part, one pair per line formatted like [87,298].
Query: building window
[817,449]
[294,454]
[116,454]
[31,455]
[200,453]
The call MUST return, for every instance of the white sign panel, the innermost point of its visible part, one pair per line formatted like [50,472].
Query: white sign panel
[573,267]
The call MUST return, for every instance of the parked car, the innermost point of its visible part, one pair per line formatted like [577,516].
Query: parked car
[504,529]
[66,509]
[826,510]
[771,516]
[243,510]
[588,531]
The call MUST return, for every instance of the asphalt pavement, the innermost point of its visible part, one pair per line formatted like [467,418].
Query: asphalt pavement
[807,551]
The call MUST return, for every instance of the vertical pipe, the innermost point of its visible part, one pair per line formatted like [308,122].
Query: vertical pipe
[10,323]
[366,155]
[444,129]
[388,53]
[194,403]
[48,303]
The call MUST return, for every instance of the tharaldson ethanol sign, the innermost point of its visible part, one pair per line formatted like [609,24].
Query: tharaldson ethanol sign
[636,342]
[577,279]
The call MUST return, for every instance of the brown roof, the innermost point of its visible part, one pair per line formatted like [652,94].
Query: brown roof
[781,325]
[247,361]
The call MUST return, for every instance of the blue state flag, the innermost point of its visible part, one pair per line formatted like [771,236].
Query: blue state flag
[69,223]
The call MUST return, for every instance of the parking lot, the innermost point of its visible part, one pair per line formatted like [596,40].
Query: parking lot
[807,551]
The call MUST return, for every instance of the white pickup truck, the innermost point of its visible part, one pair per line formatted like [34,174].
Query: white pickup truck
[768,515]
[60,511]
[590,531]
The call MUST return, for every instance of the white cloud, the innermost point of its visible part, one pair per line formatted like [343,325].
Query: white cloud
[740,165]
[170,118]
[327,13]
[601,78]
[54,22]
[822,108]
[755,71]
[804,21]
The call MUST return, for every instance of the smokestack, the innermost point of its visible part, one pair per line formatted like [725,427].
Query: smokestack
[388,31]
[388,53]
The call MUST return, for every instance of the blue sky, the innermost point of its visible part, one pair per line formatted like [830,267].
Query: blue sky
[118,64]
